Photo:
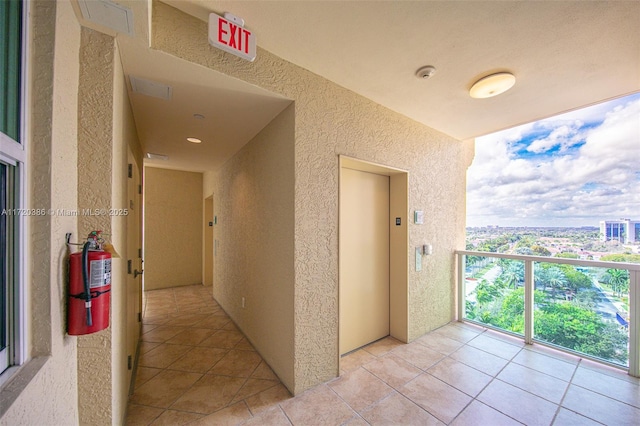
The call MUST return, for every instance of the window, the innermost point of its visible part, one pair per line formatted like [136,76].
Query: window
[12,167]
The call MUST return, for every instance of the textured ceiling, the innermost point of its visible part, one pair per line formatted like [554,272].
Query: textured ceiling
[564,54]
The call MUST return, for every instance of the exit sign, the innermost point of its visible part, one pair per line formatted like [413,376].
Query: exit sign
[229,34]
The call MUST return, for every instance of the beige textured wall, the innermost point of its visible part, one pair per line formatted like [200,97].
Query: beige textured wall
[124,136]
[253,199]
[173,228]
[95,165]
[44,392]
[329,121]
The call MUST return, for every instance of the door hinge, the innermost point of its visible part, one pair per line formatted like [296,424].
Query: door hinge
[129,266]
[139,189]
[130,170]
[129,362]
[140,253]
[139,316]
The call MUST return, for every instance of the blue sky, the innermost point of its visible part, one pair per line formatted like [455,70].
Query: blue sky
[573,169]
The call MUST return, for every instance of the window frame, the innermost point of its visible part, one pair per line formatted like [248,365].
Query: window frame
[14,154]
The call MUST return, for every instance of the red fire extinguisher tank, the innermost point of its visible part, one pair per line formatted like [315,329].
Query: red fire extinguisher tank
[83,319]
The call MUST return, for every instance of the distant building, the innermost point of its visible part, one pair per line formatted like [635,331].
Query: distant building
[624,230]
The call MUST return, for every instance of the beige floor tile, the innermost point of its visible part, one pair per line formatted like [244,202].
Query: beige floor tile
[318,406]
[141,415]
[460,376]
[237,363]
[272,417]
[198,359]
[222,339]
[441,400]
[232,415]
[244,344]
[163,355]
[543,385]
[459,331]
[175,418]
[477,414]
[496,347]
[518,404]
[263,371]
[393,370]
[191,336]
[600,408]
[440,343]
[418,355]
[211,393]
[150,319]
[355,360]
[147,346]
[359,389]
[252,387]
[553,353]
[162,333]
[185,320]
[398,410]
[609,370]
[607,385]
[162,390]
[382,346]
[268,398]
[230,326]
[569,418]
[480,360]
[144,374]
[356,421]
[546,364]
[214,321]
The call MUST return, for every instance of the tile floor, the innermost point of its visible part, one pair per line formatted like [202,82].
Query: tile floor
[197,368]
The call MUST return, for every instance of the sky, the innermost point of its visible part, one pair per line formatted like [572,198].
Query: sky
[574,169]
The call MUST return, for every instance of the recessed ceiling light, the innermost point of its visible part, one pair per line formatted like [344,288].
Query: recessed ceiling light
[492,85]
[194,140]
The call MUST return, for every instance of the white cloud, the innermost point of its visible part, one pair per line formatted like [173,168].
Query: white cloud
[593,173]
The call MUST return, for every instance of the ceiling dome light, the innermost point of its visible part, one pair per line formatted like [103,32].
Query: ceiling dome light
[492,85]
[194,140]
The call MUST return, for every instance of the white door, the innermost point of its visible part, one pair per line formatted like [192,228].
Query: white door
[364,258]
[134,248]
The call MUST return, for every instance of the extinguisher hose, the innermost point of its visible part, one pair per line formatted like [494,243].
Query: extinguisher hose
[85,280]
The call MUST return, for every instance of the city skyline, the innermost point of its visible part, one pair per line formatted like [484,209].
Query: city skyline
[570,170]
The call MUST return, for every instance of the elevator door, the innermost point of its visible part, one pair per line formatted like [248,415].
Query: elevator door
[364,258]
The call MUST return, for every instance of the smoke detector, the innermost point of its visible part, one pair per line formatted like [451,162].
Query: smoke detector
[426,72]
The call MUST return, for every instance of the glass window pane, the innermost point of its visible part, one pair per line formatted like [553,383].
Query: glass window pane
[495,292]
[4,319]
[10,67]
[583,309]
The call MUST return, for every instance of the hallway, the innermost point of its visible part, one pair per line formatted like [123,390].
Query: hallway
[196,367]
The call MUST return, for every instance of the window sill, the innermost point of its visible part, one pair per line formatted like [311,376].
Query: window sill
[15,379]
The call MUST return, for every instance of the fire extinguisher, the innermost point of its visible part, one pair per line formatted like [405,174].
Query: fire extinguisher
[89,287]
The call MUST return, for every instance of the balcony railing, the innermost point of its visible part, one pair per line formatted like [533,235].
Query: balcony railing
[591,308]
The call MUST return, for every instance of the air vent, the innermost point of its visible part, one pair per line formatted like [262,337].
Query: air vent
[108,14]
[150,88]
[152,156]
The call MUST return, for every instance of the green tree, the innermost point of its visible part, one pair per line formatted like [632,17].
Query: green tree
[619,281]
[567,255]
[513,274]
[540,251]
[571,326]
[556,280]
